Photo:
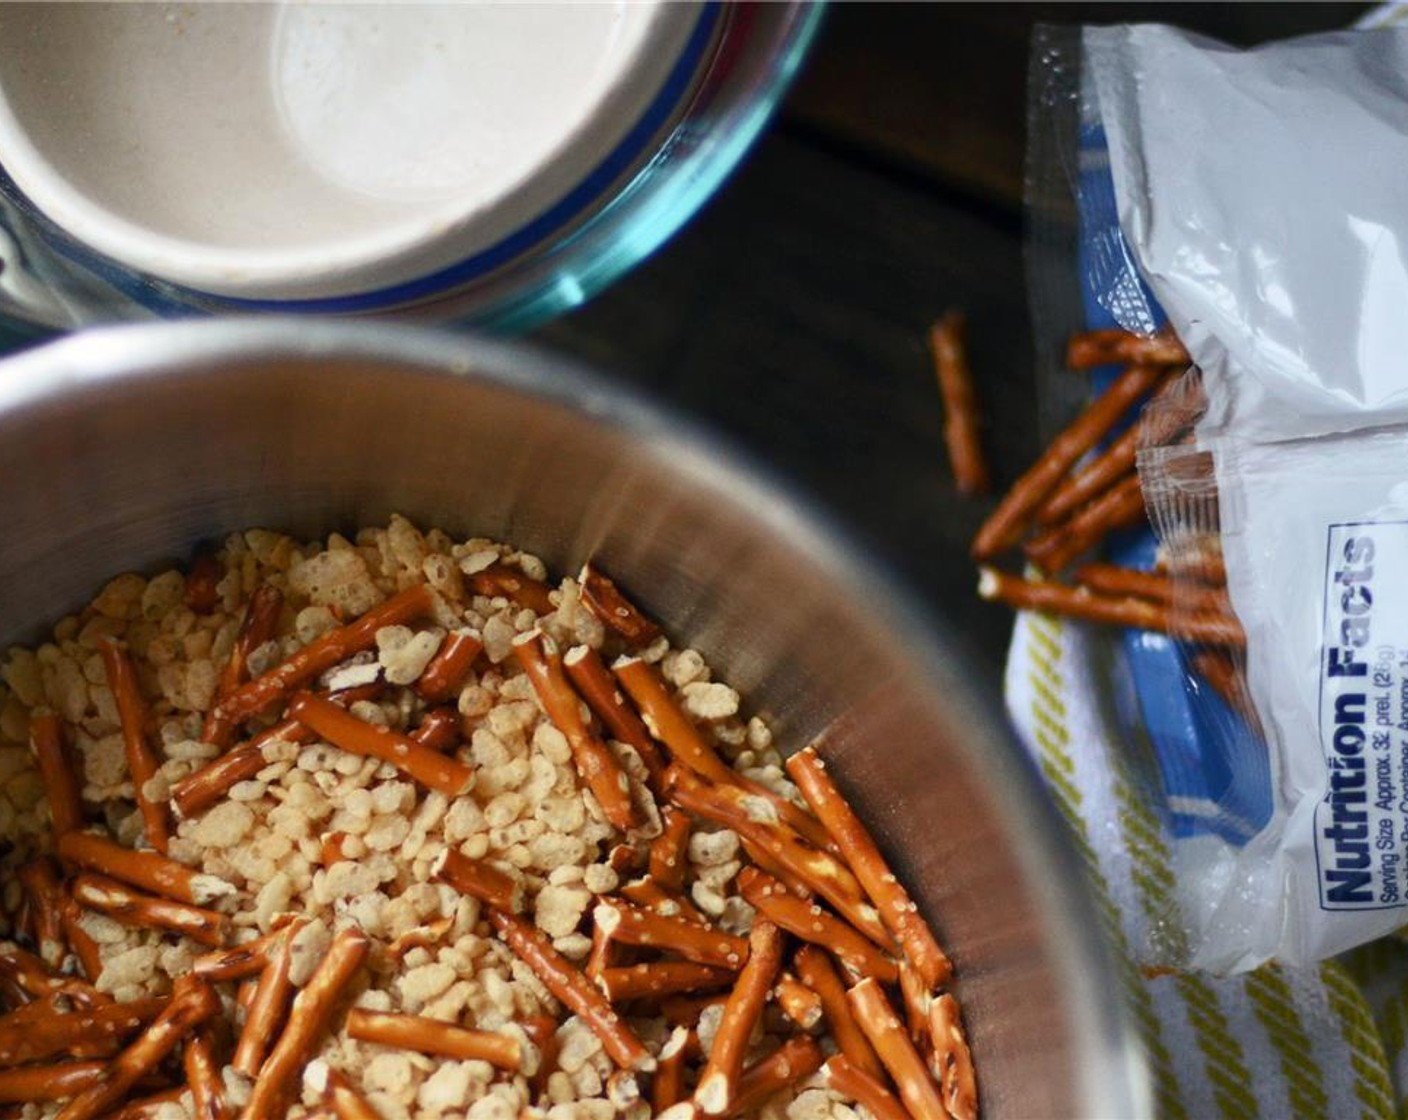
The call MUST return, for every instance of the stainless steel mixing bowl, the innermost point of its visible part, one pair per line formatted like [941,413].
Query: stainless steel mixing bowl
[122,448]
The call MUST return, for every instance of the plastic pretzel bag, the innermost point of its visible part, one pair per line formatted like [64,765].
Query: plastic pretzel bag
[1261,198]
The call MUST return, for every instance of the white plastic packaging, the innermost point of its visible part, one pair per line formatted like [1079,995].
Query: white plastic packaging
[1264,198]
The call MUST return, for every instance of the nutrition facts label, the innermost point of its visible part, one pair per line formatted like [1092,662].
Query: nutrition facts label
[1361,825]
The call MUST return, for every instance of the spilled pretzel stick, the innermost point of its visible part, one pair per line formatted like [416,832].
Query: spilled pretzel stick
[56,771]
[595,763]
[356,736]
[596,685]
[141,762]
[193,1001]
[1111,465]
[669,724]
[1120,507]
[151,872]
[811,923]
[817,972]
[574,990]
[617,613]
[897,910]
[323,653]
[432,1036]
[309,1019]
[1114,346]
[144,911]
[948,345]
[447,670]
[1005,527]
[897,1053]
[718,1083]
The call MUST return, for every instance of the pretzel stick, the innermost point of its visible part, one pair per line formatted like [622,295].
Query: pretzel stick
[668,723]
[1111,579]
[25,978]
[668,1088]
[654,979]
[238,962]
[432,1036]
[596,685]
[192,1002]
[1114,463]
[196,792]
[1120,507]
[1005,527]
[343,729]
[953,1062]
[1220,671]
[686,1010]
[46,894]
[273,992]
[449,667]
[632,925]
[502,581]
[816,971]
[93,1033]
[897,1053]
[616,612]
[1113,346]
[439,729]
[145,911]
[594,760]
[90,957]
[718,1084]
[649,894]
[1199,559]
[203,1076]
[600,956]
[843,1076]
[947,344]
[202,594]
[668,851]
[260,624]
[897,910]
[56,771]
[309,1020]
[542,1033]
[323,653]
[916,1000]
[147,870]
[149,1108]
[422,937]
[819,871]
[132,714]
[798,1002]
[41,1084]
[811,923]
[574,990]
[797,1058]
[1082,603]
[337,1093]
[479,880]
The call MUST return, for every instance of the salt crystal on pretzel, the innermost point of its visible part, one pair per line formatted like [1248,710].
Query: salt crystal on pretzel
[573,989]
[897,1052]
[309,1019]
[433,1036]
[144,911]
[148,870]
[718,1084]
[192,1002]
[811,923]
[897,910]
[141,762]
[597,766]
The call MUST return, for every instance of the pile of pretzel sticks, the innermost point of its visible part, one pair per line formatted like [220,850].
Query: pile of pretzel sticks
[1082,488]
[826,979]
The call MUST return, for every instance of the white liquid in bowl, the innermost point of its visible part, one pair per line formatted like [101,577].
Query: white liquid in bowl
[308,150]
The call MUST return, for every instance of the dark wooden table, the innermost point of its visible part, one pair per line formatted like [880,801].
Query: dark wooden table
[790,314]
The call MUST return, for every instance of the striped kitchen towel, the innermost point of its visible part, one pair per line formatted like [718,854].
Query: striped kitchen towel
[1327,1041]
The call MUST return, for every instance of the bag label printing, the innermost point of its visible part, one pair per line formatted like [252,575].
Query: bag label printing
[1361,825]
